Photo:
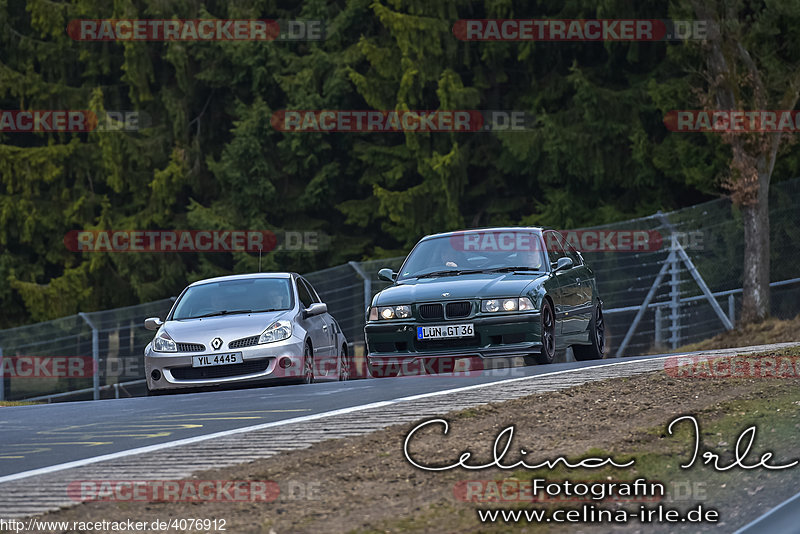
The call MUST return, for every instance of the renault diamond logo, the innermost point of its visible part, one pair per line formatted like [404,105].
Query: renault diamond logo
[216,343]
[445,294]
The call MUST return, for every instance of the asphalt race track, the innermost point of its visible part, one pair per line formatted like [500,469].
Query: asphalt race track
[33,437]
[43,447]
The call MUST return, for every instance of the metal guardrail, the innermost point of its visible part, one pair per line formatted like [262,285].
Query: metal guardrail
[96,391]
[356,351]
[696,298]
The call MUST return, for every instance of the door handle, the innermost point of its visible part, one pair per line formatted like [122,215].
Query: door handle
[578,280]
[324,327]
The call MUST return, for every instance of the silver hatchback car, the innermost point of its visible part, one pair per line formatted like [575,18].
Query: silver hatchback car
[249,328]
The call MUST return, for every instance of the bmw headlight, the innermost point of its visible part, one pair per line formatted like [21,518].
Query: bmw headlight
[507,305]
[392,312]
[164,343]
[277,331]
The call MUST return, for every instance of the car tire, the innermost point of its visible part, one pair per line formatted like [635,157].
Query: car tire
[344,365]
[308,365]
[597,335]
[548,324]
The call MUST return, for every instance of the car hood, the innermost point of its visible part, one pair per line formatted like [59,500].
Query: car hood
[227,327]
[468,286]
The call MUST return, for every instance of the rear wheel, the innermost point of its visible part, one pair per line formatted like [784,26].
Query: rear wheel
[344,364]
[597,335]
[548,323]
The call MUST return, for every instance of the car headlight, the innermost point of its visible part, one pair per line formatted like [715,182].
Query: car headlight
[506,305]
[277,331]
[164,343]
[393,312]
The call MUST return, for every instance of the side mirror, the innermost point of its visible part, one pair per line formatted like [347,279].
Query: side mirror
[563,264]
[318,308]
[153,323]
[387,275]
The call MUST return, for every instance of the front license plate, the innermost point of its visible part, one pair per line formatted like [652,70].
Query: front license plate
[445,331]
[217,359]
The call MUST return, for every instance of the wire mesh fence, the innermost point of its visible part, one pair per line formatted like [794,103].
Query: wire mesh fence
[106,347]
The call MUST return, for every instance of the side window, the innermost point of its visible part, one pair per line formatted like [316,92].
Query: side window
[573,254]
[302,291]
[553,242]
[312,291]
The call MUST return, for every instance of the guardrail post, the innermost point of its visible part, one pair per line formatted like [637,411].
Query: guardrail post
[2,378]
[95,356]
[732,309]
[658,337]
[674,287]
[367,283]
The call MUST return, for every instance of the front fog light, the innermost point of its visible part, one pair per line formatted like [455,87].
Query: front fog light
[277,331]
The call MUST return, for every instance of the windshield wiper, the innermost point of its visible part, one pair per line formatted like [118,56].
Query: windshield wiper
[221,312]
[511,269]
[450,273]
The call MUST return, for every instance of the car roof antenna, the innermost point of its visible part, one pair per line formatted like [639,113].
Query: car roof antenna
[259,259]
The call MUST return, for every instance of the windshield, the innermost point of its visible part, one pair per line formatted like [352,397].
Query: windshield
[230,297]
[469,252]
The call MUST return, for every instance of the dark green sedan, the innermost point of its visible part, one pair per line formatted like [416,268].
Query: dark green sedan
[480,294]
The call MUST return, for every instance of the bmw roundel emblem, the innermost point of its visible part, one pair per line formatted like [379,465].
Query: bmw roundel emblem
[445,294]
[216,343]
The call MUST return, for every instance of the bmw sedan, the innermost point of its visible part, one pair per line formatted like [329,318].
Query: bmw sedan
[482,294]
[245,329]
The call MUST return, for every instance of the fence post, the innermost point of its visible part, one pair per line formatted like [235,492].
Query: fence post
[2,378]
[659,337]
[732,309]
[674,287]
[95,356]
[367,283]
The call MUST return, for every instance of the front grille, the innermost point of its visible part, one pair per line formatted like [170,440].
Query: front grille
[458,309]
[221,371]
[245,342]
[191,347]
[431,311]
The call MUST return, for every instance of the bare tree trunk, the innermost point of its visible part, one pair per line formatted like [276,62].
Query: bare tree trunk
[755,302]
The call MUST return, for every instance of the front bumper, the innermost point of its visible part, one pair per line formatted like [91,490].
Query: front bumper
[260,365]
[395,343]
